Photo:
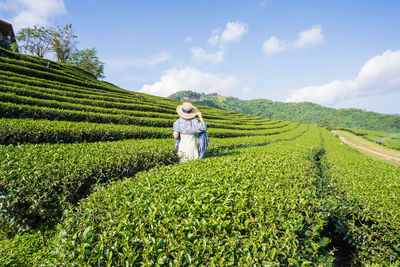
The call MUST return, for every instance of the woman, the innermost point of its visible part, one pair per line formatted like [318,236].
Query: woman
[185,130]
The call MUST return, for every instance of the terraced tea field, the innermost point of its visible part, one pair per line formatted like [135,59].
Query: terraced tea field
[89,177]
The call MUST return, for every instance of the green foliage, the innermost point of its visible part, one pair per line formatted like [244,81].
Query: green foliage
[35,41]
[26,249]
[63,42]
[264,195]
[87,59]
[256,207]
[57,175]
[365,201]
[19,131]
[14,47]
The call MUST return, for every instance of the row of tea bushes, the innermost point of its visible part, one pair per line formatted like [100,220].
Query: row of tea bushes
[47,75]
[226,145]
[14,106]
[99,100]
[38,181]
[26,68]
[11,110]
[68,94]
[16,66]
[20,131]
[24,131]
[41,68]
[45,65]
[26,84]
[89,105]
[366,201]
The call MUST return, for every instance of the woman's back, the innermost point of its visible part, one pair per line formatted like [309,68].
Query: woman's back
[185,130]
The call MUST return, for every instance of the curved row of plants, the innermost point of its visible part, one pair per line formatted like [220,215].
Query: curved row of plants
[48,100]
[19,95]
[53,87]
[13,106]
[79,94]
[20,131]
[55,174]
[45,62]
[41,68]
[366,202]
[7,66]
[13,65]
[256,206]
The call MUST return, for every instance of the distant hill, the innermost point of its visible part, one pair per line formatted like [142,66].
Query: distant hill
[304,112]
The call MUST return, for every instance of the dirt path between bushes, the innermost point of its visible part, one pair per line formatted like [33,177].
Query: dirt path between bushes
[370,150]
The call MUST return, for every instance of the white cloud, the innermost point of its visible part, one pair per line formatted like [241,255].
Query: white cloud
[150,62]
[310,37]
[379,75]
[26,13]
[273,45]
[307,38]
[233,32]
[200,54]
[188,39]
[191,79]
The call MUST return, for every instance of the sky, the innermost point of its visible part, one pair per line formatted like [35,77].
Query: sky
[341,54]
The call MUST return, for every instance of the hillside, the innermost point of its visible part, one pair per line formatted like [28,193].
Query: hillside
[304,112]
[89,177]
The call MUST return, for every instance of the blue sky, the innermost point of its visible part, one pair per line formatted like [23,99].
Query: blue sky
[335,53]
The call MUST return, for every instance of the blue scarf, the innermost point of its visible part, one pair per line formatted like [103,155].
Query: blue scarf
[202,143]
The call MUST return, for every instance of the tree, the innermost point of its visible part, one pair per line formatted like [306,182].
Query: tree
[35,41]
[87,59]
[63,42]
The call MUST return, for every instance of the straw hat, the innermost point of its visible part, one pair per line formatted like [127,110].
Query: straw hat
[186,110]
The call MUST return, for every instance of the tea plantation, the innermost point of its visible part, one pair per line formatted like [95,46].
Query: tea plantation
[89,177]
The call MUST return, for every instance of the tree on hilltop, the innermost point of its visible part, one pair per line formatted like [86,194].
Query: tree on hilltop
[63,42]
[87,59]
[36,41]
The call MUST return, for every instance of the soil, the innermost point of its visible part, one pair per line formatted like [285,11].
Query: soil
[370,149]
